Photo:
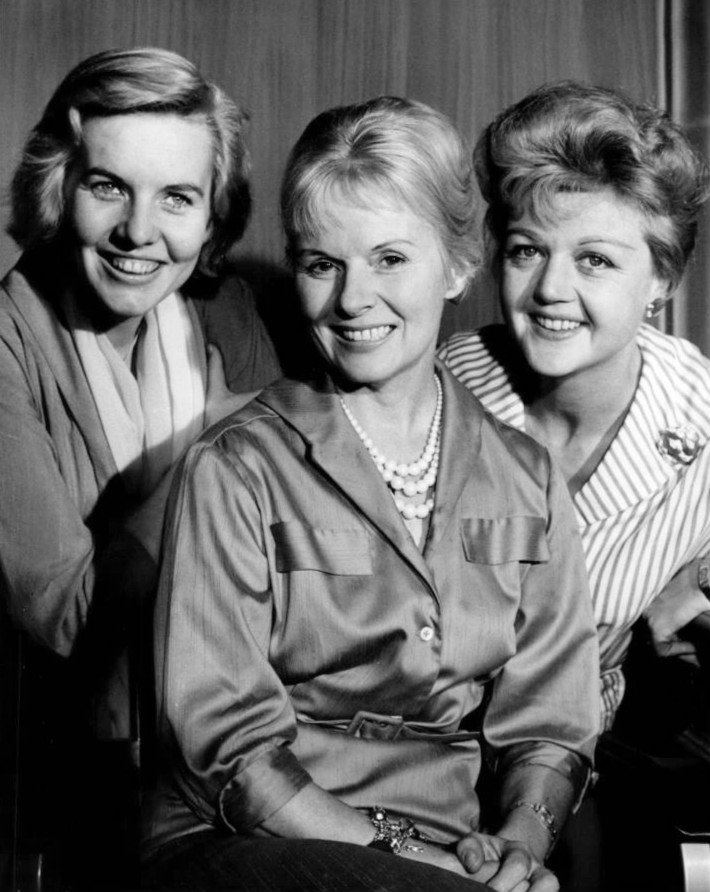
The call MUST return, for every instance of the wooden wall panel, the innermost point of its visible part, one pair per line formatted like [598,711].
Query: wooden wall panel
[688,38]
[288,59]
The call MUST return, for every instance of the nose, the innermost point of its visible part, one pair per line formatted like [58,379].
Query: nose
[356,294]
[137,226]
[553,282]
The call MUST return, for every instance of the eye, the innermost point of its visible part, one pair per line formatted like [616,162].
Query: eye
[522,253]
[392,261]
[594,261]
[178,201]
[105,190]
[320,268]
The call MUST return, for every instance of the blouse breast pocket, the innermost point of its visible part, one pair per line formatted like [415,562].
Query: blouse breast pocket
[338,551]
[503,540]
[498,552]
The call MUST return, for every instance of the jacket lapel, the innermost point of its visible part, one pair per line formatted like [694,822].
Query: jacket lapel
[46,324]
[461,445]
[334,447]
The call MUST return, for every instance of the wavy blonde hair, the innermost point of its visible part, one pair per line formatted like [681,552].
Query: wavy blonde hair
[569,136]
[119,82]
[391,147]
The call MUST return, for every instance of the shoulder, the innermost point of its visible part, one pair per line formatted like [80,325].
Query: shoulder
[224,300]
[260,424]
[476,357]
[515,448]
[230,319]
[665,348]
[505,447]
[20,305]
[680,376]
[475,347]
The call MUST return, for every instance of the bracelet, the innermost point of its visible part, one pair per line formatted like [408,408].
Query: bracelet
[543,814]
[392,836]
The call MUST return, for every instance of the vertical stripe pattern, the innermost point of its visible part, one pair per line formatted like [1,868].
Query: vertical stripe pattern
[642,515]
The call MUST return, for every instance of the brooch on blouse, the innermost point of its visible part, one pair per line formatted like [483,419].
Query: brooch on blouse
[679,444]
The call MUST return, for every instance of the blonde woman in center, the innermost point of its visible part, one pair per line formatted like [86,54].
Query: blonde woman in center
[370,585]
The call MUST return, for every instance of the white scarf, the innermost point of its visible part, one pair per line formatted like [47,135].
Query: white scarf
[151,417]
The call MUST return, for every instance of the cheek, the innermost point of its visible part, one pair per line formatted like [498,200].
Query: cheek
[90,223]
[512,288]
[313,299]
[185,242]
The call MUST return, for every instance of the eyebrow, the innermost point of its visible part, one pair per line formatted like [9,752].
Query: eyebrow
[380,247]
[171,187]
[587,240]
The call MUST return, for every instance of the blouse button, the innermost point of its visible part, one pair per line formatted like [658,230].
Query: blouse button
[426,633]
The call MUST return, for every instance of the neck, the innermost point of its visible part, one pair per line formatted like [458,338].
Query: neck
[123,337]
[585,404]
[396,419]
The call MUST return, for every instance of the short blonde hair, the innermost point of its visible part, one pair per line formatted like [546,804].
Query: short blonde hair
[119,82]
[400,148]
[569,136]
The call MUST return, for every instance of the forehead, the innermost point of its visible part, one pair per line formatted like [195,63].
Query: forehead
[366,218]
[157,146]
[598,212]
[341,203]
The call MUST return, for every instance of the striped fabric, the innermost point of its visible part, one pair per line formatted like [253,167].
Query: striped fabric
[642,514]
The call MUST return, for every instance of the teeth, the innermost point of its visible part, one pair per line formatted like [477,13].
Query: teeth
[557,324]
[135,267]
[366,334]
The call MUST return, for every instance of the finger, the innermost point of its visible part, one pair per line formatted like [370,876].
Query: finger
[676,647]
[543,880]
[516,865]
[484,872]
[471,853]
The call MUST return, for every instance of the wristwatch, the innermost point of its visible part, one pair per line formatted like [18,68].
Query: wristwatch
[704,576]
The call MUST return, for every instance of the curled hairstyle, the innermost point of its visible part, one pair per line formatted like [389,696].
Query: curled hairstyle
[387,146]
[119,82]
[571,137]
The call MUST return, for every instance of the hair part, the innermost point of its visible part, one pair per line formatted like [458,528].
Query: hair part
[119,82]
[403,152]
[571,137]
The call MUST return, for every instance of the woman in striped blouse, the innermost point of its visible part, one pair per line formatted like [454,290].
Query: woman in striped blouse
[592,209]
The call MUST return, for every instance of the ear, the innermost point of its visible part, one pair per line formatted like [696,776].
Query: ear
[659,295]
[209,230]
[458,279]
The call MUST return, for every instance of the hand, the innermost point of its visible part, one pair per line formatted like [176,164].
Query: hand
[505,865]
[673,646]
[419,850]
[220,400]
[680,602]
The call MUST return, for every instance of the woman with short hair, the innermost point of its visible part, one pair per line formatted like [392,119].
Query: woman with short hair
[354,610]
[133,183]
[113,326]
[593,204]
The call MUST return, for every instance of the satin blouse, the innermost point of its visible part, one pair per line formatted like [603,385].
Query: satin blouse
[301,634]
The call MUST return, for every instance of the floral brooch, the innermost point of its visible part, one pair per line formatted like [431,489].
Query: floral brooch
[679,444]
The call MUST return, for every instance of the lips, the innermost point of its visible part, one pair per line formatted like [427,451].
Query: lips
[131,266]
[371,335]
[550,324]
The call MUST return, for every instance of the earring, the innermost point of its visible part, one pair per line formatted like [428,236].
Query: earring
[654,308]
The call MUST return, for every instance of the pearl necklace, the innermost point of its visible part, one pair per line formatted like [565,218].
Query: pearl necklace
[395,474]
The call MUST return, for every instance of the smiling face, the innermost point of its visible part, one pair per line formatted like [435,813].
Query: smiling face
[575,285]
[139,203]
[372,284]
